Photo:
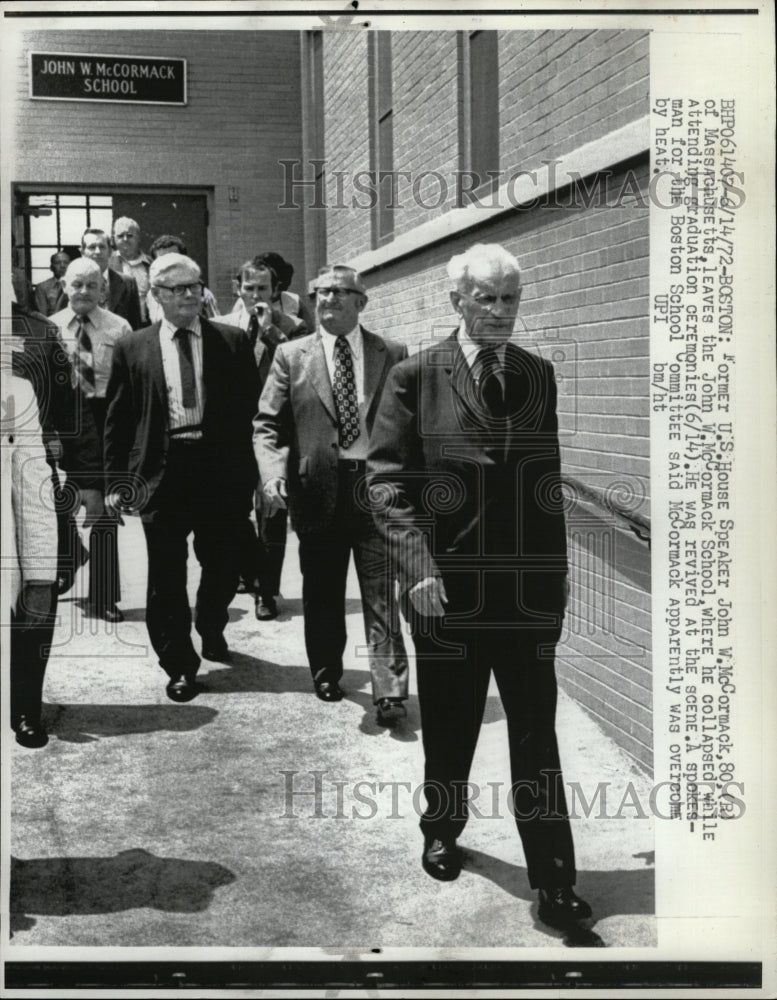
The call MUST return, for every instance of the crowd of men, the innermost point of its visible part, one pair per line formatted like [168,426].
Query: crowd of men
[439,473]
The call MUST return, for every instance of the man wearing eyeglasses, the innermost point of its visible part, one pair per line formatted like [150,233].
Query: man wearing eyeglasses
[178,451]
[465,481]
[311,436]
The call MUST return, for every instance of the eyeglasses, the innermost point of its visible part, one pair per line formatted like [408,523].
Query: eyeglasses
[180,290]
[337,293]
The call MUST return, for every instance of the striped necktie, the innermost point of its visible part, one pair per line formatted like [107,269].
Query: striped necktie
[83,360]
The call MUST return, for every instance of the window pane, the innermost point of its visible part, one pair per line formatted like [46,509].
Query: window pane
[42,199]
[73,200]
[101,218]
[73,222]
[44,230]
[40,257]
[101,201]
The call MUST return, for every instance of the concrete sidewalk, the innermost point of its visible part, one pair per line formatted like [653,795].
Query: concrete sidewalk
[148,823]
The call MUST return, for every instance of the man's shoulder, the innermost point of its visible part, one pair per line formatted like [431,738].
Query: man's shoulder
[61,318]
[229,319]
[396,349]
[136,340]
[528,357]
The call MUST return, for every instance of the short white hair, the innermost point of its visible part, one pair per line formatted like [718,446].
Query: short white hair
[167,262]
[125,221]
[479,257]
[82,267]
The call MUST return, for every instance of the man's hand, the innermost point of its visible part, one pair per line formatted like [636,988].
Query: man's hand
[35,603]
[275,493]
[263,313]
[113,505]
[92,500]
[429,597]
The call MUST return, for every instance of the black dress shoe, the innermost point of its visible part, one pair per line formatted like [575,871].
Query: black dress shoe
[329,691]
[30,733]
[109,613]
[441,859]
[390,711]
[560,907]
[265,608]
[215,648]
[182,688]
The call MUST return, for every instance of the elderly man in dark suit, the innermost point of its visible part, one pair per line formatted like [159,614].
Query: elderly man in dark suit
[120,294]
[465,481]
[311,434]
[178,451]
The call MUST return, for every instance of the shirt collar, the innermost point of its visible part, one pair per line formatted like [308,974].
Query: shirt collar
[93,316]
[168,330]
[470,348]
[354,339]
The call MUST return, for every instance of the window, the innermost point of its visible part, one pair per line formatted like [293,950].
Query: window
[382,135]
[55,222]
[479,104]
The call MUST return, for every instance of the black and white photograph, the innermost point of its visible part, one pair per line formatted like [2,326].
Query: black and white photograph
[388,471]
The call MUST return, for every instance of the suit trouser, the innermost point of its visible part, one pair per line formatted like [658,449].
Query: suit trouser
[264,549]
[187,502]
[452,691]
[30,648]
[104,579]
[324,558]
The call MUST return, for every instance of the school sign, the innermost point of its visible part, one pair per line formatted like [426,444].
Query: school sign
[61,76]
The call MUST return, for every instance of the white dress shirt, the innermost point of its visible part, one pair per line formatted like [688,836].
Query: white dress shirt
[180,415]
[104,329]
[358,449]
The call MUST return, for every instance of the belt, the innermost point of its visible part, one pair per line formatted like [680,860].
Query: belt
[351,465]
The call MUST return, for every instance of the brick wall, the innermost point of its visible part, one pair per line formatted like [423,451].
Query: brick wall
[242,117]
[557,91]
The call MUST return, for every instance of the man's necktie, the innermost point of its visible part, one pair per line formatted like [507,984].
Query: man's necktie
[83,360]
[344,387]
[253,328]
[186,363]
[489,384]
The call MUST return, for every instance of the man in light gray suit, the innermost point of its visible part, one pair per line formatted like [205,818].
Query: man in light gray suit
[311,437]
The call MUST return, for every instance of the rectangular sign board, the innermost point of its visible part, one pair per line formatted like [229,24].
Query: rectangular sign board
[64,76]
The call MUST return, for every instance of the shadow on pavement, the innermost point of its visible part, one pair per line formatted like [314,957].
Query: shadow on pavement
[292,608]
[132,879]
[629,891]
[86,723]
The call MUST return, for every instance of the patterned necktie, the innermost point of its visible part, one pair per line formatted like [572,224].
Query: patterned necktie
[83,360]
[490,387]
[346,402]
[186,363]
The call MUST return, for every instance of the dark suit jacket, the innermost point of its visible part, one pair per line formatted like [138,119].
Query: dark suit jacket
[137,421]
[465,492]
[69,431]
[295,431]
[122,299]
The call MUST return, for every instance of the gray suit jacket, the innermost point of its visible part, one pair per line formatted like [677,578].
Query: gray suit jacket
[295,430]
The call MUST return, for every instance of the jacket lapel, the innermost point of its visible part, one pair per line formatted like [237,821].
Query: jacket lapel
[375,358]
[318,375]
[155,363]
